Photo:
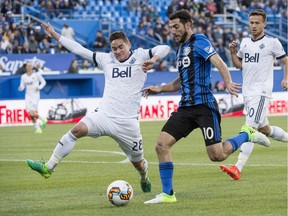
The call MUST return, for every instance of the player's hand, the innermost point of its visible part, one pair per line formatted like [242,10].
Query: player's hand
[233,47]
[284,84]
[48,29]
[148,65]
[233,88]
[151,90]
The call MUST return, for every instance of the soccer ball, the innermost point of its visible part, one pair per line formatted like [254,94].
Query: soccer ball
[119,193]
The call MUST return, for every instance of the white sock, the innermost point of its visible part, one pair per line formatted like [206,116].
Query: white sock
[144,172]
[245,152]
[278,133]
[37,124]
[62,149]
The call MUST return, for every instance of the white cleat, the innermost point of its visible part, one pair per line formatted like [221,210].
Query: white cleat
[162,198]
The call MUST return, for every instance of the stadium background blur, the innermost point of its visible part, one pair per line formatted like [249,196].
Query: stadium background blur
[145,22]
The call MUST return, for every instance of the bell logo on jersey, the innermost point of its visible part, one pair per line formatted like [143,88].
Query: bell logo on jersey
[117,73]
[252,58]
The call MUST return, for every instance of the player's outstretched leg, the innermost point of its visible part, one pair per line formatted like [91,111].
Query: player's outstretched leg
[255,136]
[232,171]
[40,167]
[162,198]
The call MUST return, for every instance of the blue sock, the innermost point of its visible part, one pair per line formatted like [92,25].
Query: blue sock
[166,174]
[238,140]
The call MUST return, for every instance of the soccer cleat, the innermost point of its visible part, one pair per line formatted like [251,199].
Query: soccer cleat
[146,185]
[44,122]
[40,167]
[38,131]
[255,136]
[162,198]
[232,171]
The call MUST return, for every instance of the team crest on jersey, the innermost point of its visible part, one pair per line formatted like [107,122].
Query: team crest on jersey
[132,61]
[209,49]
[187,50]
[262,46]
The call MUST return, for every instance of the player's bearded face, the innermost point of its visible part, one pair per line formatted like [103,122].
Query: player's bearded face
[120,49]
[178,30]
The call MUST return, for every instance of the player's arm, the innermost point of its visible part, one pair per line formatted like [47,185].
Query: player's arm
[284,83]
[71,45]
[235,59]
[42,82]
[217,61]
[22,85]
[169,87]
[158,52]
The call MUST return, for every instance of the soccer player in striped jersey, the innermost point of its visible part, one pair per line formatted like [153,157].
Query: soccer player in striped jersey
[256,58]
[33,82]
[197,108]
[117,116]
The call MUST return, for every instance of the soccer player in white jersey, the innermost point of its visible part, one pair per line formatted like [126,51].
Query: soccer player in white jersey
[256,58]
[33,82]
[117,115]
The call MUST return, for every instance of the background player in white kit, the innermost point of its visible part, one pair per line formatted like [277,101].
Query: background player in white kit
[33,82]
[117,114]
[256,58]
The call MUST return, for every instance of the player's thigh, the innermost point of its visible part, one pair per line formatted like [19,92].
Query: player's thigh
[181,123]
[129,138]
[256,108]
[98,124]
[209,123]
[31,104]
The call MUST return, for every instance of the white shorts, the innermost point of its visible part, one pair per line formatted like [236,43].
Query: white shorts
[256,110]
[126,132]
[31,104]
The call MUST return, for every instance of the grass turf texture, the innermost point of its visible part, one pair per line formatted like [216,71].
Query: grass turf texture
[78,186]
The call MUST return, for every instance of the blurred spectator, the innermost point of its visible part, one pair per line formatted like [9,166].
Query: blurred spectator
[85,65]
[100,41]
[33,44]
[5,7]
[60,48]
[162,66]
[219,86]
[73,68]
[21,70]
[9,18]
[25,48]
[68,32]
[38,34]
[44,46]
[38,68]
[30,30]
[171,8]
[18,49]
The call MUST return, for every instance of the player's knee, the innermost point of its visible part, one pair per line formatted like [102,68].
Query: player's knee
[265,130]
[217,157]
[79,130]
[160,147]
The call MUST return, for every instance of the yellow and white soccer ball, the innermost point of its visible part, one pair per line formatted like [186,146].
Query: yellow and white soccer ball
[119,193]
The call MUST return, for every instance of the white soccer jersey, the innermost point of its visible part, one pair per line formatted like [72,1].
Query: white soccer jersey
[257,64]
[123,83]
[32,83]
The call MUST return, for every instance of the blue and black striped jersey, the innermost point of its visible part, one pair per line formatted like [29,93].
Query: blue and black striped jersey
[195,70]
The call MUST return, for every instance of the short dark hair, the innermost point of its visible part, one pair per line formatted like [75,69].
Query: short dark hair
[118,35]
[183,15]
[258,12]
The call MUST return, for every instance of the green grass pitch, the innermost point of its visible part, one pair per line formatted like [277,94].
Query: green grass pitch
[78,186]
